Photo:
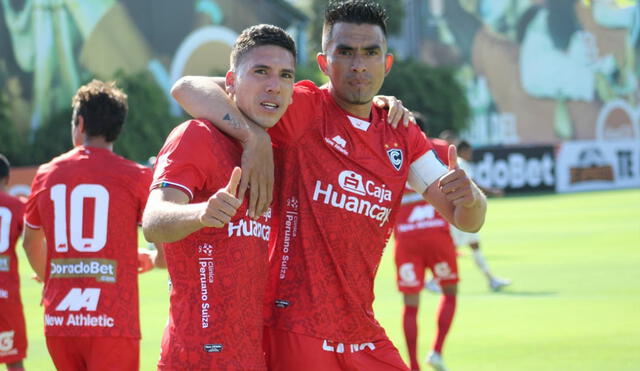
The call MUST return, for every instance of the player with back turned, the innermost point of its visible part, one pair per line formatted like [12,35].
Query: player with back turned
[13,336]
[87,203]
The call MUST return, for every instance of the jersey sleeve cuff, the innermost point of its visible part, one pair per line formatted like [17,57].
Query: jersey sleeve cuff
[166,184]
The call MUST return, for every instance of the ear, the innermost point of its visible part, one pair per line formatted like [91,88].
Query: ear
[388,62]
[322,62]
[230,82]
[80,125]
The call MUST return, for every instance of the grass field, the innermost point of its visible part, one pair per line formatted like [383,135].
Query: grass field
[574,304]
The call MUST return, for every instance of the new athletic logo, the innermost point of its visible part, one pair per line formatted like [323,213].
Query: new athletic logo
[421,212]
[395,156]
[422,217]
[78,299]
[353,182]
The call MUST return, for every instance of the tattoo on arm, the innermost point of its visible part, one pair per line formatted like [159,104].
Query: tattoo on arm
[233,122]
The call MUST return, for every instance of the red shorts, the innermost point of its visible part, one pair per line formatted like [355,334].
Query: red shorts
[94,353]
[290,351]
[435,251]
[13,334]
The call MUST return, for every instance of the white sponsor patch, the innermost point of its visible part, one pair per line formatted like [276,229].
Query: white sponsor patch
[78,298]
[353,182]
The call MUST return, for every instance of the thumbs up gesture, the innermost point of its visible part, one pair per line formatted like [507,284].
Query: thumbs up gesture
[224,204]
[455,184]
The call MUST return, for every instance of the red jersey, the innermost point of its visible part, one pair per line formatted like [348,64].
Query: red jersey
[11,215]
[218,275]
[339,180]
[416,216]
[89,202]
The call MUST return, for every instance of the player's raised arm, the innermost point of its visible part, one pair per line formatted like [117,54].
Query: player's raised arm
[205,97]
[169,217]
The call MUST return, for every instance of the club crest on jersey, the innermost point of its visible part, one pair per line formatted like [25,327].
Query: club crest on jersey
[395,156]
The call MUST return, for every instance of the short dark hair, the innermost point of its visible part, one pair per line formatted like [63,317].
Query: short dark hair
[104,108]
[260,35]
[4,167]
[353,11]
[462,145]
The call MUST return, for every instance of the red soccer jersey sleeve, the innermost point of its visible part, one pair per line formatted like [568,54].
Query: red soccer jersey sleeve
[184,162]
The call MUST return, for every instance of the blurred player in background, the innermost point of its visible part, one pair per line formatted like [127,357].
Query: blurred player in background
[217,256]
[423,242]
[461,238]
[13,335]
[87,204]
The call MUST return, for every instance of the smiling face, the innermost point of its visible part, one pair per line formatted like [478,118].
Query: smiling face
[356,62]
[262,84]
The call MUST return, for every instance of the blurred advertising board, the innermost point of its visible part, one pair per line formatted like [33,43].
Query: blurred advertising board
[598,165]
[515,168]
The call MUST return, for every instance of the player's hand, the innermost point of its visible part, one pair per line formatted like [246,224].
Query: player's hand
[223,205]
[397,112]
[257,172]
[145,260]
[456,185]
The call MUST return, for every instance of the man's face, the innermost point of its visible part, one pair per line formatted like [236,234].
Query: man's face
[356,62]
[262,85]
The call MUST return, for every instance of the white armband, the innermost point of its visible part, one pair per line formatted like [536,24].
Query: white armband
[424,171]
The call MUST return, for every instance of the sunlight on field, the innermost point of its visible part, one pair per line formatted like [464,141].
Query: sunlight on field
[574,261]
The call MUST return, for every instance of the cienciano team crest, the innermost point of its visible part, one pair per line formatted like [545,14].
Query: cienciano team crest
[396,158]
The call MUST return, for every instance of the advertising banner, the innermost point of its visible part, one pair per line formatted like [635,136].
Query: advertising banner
[598,165]
[515,168]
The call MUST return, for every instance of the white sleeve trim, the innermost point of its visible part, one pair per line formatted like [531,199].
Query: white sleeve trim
[31,225]
[424,171]
[161,184]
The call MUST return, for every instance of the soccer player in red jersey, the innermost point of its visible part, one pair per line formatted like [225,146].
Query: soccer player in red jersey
[340,173]
[423,241]
[13,336]
[216,254]
[87,204]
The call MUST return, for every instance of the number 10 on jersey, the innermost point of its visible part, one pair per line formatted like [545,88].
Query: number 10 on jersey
[98,238]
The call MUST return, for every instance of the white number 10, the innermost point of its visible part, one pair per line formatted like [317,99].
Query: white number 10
[76,211]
